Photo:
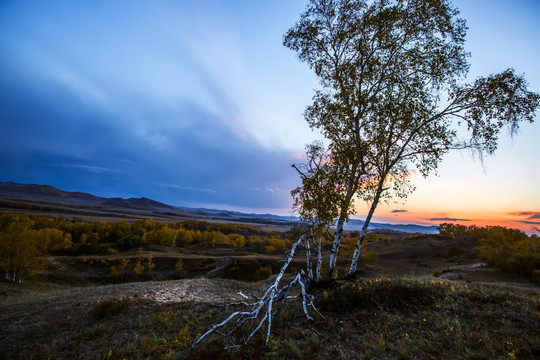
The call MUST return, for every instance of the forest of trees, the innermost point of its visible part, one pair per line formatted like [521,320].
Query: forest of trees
[26,240]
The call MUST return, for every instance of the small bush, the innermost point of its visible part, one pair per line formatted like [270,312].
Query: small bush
[387,294]
[370,255]
[508,250]
[264,272]
[179,266]
[128,242]
[110,307]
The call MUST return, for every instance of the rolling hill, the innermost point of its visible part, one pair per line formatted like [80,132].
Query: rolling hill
[46,199]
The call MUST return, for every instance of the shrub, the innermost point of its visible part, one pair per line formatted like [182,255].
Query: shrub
[371,255]
[378,294]
[510,250]
[90,248]
[22,249]
[237,240]
[165,236]
[455,231]
[128,242]
[110,307]
[264,272]
[121,269]
[179,266]
[138,268]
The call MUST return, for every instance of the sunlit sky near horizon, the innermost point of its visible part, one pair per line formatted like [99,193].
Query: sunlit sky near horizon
[197,103]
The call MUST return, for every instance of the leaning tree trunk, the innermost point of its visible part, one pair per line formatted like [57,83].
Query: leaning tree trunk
[360,242]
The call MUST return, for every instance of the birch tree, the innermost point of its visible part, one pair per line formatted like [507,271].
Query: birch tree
[393,94]
[317,200]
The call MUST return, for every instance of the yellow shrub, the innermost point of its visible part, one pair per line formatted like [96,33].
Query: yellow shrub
[371,255]
[237,240]
[178,266]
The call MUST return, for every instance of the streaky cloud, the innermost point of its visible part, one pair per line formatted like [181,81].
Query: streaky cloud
[90,168]
[529,222]
[188,188]
[531,215]
[447,219]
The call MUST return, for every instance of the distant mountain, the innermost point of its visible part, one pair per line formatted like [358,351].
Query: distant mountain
[49,193]
[142,205]
[45,192]
[410,228]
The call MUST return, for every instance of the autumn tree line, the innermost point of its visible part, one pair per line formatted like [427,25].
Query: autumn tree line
[26,240]
[509,250]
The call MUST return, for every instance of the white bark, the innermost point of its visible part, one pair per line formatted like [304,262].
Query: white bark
[360,242]
[319,259]
[265,304]
[309,266]
[335,245]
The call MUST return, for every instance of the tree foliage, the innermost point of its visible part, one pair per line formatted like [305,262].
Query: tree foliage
[23,248]
[27,240]
[393,99]
[508,250]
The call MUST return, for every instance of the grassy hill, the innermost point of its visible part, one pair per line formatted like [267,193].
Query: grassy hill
[378,318]
[424,296]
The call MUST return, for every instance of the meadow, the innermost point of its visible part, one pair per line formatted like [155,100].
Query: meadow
[150,297]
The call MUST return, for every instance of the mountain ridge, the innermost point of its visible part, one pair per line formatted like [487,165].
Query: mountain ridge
[9,190]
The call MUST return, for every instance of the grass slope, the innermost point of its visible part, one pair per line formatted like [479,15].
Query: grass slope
[438,304]
[379,318]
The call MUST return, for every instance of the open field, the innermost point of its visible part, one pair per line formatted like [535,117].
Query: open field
[424,297]
[420,296]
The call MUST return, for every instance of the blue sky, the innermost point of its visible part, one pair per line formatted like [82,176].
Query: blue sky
[197,103]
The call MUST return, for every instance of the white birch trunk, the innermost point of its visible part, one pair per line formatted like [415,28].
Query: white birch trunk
[351,188]
[309,266]
[335,245]
[319,259]
[360,242]
[264,305]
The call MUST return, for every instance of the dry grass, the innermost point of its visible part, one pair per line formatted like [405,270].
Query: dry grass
[482,314]
[379,318]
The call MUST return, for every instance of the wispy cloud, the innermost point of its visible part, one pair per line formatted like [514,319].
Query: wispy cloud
[399,211]
[91,168]
[530,215]
[446,219]
[273,190]
[127,161]
[188,188]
